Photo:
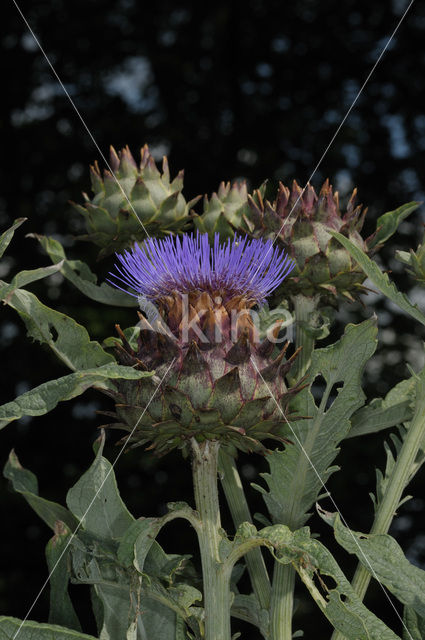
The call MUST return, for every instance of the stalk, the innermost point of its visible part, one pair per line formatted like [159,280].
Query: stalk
[282,599]
[216,577]
[304,308]
[235,496]
[282,602]
[398,480]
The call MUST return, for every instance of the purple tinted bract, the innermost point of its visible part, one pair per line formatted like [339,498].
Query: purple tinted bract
[238,267]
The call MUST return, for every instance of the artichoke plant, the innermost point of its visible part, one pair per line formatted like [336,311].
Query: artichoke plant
[203,339]
[132,200]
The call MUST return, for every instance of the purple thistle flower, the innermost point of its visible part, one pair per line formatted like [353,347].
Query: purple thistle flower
[238,267]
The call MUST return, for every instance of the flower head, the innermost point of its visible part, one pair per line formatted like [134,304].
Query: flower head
[251,269]
[203,341]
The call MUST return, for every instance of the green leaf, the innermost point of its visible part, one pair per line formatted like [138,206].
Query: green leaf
[25,482]
[129,609]
[30,630]
[388,223]
[7,235]
[82,277]
[382,413]
[140,536]
[57,553]
[303,465]
[246,607]
[380,279]
[336,597]
[119,601]
[26,277]
[415,625]
[46,396]
[67,339]
[382,556]
[95,500]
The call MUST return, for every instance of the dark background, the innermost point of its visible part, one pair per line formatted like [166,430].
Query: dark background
[227,91]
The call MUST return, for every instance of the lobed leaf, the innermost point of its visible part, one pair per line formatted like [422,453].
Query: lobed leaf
[380,279]
[382,413]
[46,396]
[297,472]
[383,557]
[336,597]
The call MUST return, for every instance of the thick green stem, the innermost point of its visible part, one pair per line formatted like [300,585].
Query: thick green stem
[235,496]
[216,576]
[282,602]
[398,481]
[282,599]
[304,308]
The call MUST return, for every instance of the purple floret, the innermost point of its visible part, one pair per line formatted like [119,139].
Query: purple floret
[238,267]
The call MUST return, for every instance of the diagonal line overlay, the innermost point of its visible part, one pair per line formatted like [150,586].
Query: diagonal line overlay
[270,248]
[329,495]
[336,132]
[45,583]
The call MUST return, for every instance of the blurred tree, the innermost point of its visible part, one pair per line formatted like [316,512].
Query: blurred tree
[226,93]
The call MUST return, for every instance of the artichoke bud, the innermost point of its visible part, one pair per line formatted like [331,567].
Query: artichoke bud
[302,220]
[225,210]
[218,381]
[131,201]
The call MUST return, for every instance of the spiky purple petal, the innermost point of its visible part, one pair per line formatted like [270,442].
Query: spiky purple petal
[238,267]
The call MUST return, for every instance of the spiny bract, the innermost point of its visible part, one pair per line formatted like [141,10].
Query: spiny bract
[217,379]
[132,202]
[299,221]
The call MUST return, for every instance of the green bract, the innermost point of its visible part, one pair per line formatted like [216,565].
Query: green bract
[133,201]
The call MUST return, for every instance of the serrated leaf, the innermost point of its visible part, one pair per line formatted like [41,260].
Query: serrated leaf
[7,235]
[382,413]
[67,339]
[25,482]
[380,279]
[46,396]
[338,601]
[95,501]
[388,223]
[297,473]
[26,277]
[383,557]
[79,274]
[30,630]
[57,553]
